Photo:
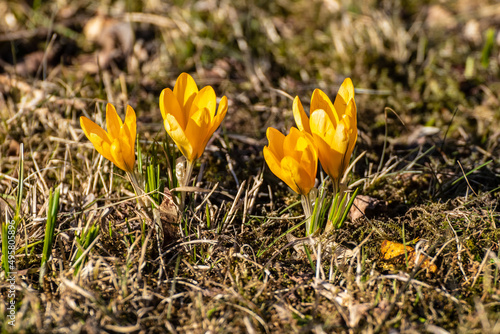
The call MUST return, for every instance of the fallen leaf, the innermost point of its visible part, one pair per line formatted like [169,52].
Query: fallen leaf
[394,253]
[116,38]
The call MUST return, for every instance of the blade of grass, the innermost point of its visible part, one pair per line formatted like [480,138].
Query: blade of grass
[84,241]
[470,172]
[20,185]
[52,211]
[281,236]
[5,251]
[348,208]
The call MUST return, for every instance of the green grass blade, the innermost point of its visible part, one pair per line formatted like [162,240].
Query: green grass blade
[347,209]
[52,211]
[20,185]
[5,251]
[281,236]
[470,172]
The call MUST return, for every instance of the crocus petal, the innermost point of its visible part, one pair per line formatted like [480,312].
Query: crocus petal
[100,145]
[178,135]
[185,90]
[97,136]
[113,122]
[320,100]
[127,148]
[344,96]
[89,127]
[196,131]
[131,126]
[274,164]
[352,125]
[341,139]
[170,105]
[330,159]
[295,144]
[127,152]
[117,155]
[300,116]
[309,160]
[276,141]
[221,113]
[205,99]
[322,125]
[295,176]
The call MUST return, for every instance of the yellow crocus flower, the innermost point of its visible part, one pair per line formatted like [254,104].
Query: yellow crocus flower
[189,115]
[332,126]
[292,158]
[118,143]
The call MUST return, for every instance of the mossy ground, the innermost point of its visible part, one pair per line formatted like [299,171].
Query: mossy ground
[428,98]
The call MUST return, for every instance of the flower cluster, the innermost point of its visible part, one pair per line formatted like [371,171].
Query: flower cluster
[333,127]
[191,116]
[329,134]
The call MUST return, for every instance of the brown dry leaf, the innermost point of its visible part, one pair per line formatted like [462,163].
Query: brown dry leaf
[394,252]
[116,38]
[366,205]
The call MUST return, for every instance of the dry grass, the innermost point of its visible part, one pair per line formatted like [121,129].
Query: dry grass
[433,65]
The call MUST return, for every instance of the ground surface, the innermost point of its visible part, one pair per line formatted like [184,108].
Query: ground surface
[427,84]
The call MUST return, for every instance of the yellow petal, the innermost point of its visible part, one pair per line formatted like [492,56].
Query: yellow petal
[276,140]
[131,126]
[127,148]
[170,105]
[320,100]
[205,99]
[353,124]
[274,164]
[341,139]
[113,122]
[117,155]
[322,125]
[128,156]
[197,131]
[353,136]
[309,160]
[298,179]
[89,127]
[101,146]
[300,116]
[185,90]
[330,159]
[178,135]
[96,135]
[344,96]
[221,113]
[295,144]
